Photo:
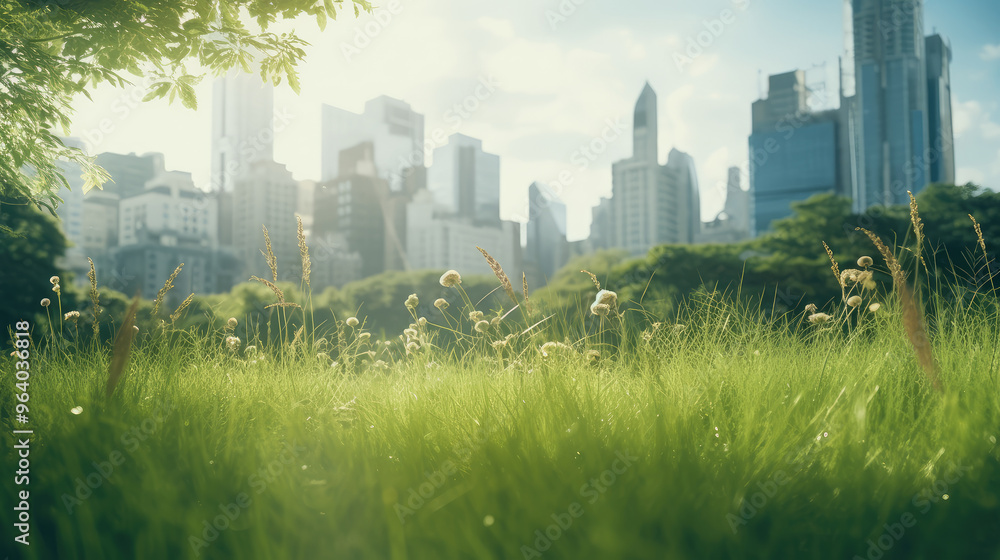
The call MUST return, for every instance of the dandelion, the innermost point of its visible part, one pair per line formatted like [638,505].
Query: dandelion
[551,347]
[451,278]
[441,304]
[71,316]
[854,301]
[54,280]
[56,288]
[45,302]
[76,409]
[811,308]
[865,262]
[607,297]
[233,343]
[475,316]
[600,309]
[250,349]
[874,307]
[593,355]
[232,323]
[363,337]
[412,302]
[495,322]
[819,318]
[412,347]
[422,321]
[482,326]
[352,322]
[410,333]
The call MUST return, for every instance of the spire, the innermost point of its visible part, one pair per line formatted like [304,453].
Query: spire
[644,131]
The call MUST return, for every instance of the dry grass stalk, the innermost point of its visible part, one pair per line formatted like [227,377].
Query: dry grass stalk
[272,261]
[180,309]
[913,321]
[498,271]
[593,278]
[95,296]
[918,227]
[979,233]
[122,349]
[167,286]
[524,288]
[834,267]
[303,252]
[277,291]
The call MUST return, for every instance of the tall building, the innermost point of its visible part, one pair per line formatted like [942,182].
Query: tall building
[891,127]
[266,195]
[242,127]
[168,223]
[445,241]
[652,204]
[465,180]
[939,118]
[732,224]
[794,152]
[391,125]
[547,249]
[600,225]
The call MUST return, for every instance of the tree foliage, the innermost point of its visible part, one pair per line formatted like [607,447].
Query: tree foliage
[51,51]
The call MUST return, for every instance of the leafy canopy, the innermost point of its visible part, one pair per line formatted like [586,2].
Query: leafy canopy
[52,50]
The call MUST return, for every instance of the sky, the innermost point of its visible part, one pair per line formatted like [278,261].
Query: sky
[561,74]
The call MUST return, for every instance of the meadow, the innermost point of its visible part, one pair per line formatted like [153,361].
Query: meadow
[866,428]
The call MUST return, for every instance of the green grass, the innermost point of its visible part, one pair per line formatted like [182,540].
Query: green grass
[806,440]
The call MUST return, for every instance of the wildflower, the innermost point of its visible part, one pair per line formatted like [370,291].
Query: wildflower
[232,323]
[352,322]
[593,355]
[232,343]
[647,336]
[865,262]
[854,301]
[819,318]
[71,316]
[54,280]
[363,337]
[410,333]
[482,326]
[412,302]
[600,309]
[441,304]
[475,316]
[874,307]
[388,343]
[551,347]
[811,308]
[45,302]
[607,297]
[412,347]
[422,321]
[849,276]
[76,409]
[250,349]
[495,322]
[451,278]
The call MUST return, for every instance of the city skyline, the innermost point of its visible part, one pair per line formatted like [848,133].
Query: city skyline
[536,119]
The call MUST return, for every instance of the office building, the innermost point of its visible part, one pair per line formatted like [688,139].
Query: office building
[242,127]
[465,180]
[941,156]
[546,248]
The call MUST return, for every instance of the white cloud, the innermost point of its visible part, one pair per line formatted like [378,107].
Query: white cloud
[990,52]
[970,175]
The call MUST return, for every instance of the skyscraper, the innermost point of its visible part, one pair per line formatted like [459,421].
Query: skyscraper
[547,250]
[266,195]
[391,125]
[242,127]
[939,120]
[652,204]
[891,105]
[465,180]
[794,152]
